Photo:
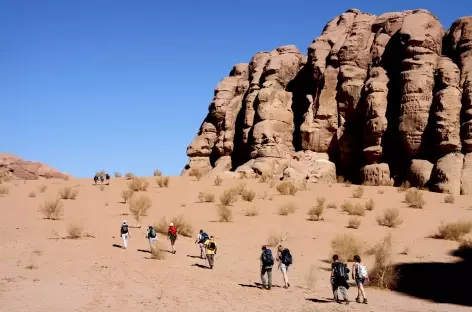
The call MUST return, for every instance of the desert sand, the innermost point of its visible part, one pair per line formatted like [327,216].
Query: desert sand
[42,272]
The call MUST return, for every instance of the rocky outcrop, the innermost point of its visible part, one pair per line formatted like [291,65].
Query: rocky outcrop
[14,167]
[380,97]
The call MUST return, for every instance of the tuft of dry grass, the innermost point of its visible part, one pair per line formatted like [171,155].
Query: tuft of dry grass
[346,246]
[138,206]
[358,192]
[390,218]
[383,274]
[238,189]
[206,197]
[316,212]
[248,195]
[162,226]
[157,173]
[251,212]
[117,174]
[197,173]
[43,188]
[332,206]
[126,194]
[218,181]
[225,214]
[138,184]
[68,193]
[32,194]
[287,209]
[354,222]
[182,226]
[370,205]
[405,186]
[454,230]
[265,177]
[414,198]
[353,210]
[102,188]
[449,199]
[74,231]
[4,190]
[287,188]
[162,181]
[158,252]
[228,197]
[129,176]
[52,209]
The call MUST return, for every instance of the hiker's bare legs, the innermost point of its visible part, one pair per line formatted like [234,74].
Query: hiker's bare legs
[283,268]
[361,291]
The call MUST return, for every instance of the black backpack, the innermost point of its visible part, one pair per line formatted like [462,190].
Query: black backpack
[341,271]
[124,229]
[267,258]
[286,257]
[204,238]
[212,245]
[152,233]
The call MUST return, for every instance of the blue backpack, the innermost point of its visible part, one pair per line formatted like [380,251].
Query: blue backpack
[286,257]
[204,238]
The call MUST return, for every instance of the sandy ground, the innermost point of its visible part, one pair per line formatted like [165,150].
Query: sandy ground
[91,275]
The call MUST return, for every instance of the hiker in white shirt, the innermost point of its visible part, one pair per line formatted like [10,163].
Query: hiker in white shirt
[201,238]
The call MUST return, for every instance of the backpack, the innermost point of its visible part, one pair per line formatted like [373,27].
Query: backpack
[341,271]
[286,257]
[361,271]
[204,237]
[267,258]
[152,233]
[124,229]
[211,246]
[173,230]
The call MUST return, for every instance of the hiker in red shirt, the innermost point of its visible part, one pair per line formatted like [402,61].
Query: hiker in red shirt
[172,235]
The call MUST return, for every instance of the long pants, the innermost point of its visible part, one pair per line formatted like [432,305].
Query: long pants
[342,290]
[211,260]
[269,275]
[125,240]
[152,242]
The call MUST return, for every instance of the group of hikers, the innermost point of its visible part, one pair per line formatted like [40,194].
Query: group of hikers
[102,177]
[339,271]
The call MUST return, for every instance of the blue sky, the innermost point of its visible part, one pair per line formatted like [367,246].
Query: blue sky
[124,85]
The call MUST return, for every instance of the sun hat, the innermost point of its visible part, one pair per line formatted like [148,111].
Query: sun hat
[171,224]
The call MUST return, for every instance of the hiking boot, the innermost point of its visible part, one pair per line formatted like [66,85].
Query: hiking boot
[269,287]
[358,300]
[365,301]
[346,301]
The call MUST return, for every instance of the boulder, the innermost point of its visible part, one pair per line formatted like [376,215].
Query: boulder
[446,174]
[419,172]
[376,174]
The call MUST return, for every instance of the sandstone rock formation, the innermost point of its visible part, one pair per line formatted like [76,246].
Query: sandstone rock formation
[13,167]
[376,98]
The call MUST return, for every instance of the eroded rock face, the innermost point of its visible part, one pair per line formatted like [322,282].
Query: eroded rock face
[16,168]
[380,96]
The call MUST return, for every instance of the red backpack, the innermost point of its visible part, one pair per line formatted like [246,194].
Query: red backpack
[173,230]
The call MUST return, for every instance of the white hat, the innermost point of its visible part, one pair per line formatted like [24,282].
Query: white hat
[124,221]
[171,224]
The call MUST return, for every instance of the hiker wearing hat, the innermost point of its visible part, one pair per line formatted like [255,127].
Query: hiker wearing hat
[172,236]
[151,235]
[124,232]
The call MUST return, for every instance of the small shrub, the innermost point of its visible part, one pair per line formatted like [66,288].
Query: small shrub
[346,246]
[32,194]
[102,188]
[157,173]
[4,190]
[332,206]
[287,188]
[52,209]
[100,173]
[276,239]
[353,210]
[405,251]
[383,274]
[449,199]
[405,186]
[139,206]
[206,197]
[224,213]
[454,230]
[129,176]
[287,209]
[138,184]
[68,193]
[370,205]
[197,173]
[162,226]
[238,189]
[316,212]
[358,192]
[310,278]
[126,194]
[218,181]
[265,177]
[162,181]
[228,198]
[414,198]
[251,212]
[158,252]
[74,231]
[380,191]
[43,188]
[117,174]
[390,218]
[354,222]
[248,195]
[183,227]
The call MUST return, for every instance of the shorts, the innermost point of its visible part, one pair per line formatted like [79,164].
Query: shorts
[283,268]
[360,281]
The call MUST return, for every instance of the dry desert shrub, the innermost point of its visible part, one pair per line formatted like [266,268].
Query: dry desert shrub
[158,252]
[449,199]
[248,195]
[287,188]
[4,190]
[138,206]
[162,181]
[32,194]
[218,181]
[346,246]
[52,209]
[405,186]
[453,230]
[157,173]
[138,184]
[126,194]
[162,226]
[197,173]
[228,197]
[383,274]
[239,189]
[117,174]
[74,231]
[287,209]
[390,218]
[275,240]
[316,212]
[182,226]
[206,197]
[370,205]
[358,192]
[129,176]
[68,193]
[354,222]
[102,188]
[265,177]
[224,213]
[353,210]
[332,206]
[100,173]
[43,188]
[414,198]
[251,212]
[380,191]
